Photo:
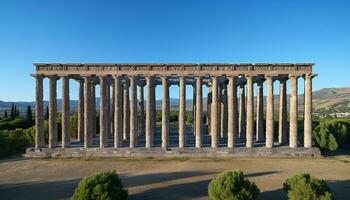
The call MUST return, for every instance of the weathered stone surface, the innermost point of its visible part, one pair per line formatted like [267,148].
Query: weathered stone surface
[278,152]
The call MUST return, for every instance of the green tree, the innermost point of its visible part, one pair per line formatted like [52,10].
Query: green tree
[104,185]
[29,114]
[232,185]
[15,112]
[46,115]
[5,115]
[12,115]
[305,186]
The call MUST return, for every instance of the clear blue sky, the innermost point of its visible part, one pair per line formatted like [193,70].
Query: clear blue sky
[172,31]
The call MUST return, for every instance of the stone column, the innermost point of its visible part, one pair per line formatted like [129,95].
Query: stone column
[141,110]
[242,111]
[308,111]
[133,112]
[126,109]
[260,111]
[208,107]
[93,109]
[103,112]
[194,109]
[232,112]
[224,111]
[118,112]
[214,113]
[199,106]
[65,112]
[282,117]
[39,111]
[53,113]
[108,109]
[269,112]
[182,112]
[250,112]
[149,112]
[165,112]
[87,113]
[112,108]
[81,110]
[293,126]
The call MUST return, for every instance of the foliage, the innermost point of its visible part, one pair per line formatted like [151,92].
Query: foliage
[304,186]
[12,124]
[189,117]
[103,185]
[14,141]
[29,115]
[332,133]
[232,185]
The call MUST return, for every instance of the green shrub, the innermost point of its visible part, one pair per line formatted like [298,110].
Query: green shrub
[232,185]
[13,141]
[332,133]
[304,186]
[103,185]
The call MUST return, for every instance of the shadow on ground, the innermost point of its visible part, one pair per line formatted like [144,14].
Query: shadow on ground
[188,190]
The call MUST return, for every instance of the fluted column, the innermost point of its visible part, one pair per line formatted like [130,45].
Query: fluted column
[118,112]
[214,113]
[199,114]
[224,111]
[53,113]
[182,112]
[282,117]
[93,109]
[149,112]
[260,111]
[65,112]
[87,113]
[209,107]
[293,126]
[141,110]
[165,112]
[232,112]
[308,111]
[194,109]
[108,109]
[250,112]
[126,109]
[103,112]
[81,110]
[112,108]
[133,112]
[269,112]
[242,111]
[39,111]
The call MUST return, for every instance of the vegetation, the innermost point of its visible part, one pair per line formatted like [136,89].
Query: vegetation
[330,134]
[103,185]
[232,185]
[304,186]
[14,141]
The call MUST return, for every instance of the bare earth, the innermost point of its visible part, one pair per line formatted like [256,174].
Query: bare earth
[164,178]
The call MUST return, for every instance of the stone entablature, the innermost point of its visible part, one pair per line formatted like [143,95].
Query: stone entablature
[174,69]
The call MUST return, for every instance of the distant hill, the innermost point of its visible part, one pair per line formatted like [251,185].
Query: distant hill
[325,101]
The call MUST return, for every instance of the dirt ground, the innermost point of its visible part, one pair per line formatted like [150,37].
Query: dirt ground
[164,178]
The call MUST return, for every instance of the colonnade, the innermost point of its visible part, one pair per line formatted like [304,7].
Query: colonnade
[124,118]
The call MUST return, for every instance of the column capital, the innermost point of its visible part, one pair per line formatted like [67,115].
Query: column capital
[309,76]
[38,76]
[53,77]
[267,76]
[293,76]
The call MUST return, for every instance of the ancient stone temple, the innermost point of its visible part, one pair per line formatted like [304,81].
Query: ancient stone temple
[236,115]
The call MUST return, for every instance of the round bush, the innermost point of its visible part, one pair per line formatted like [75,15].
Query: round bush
[232,185]
[102,186]
[304,186]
